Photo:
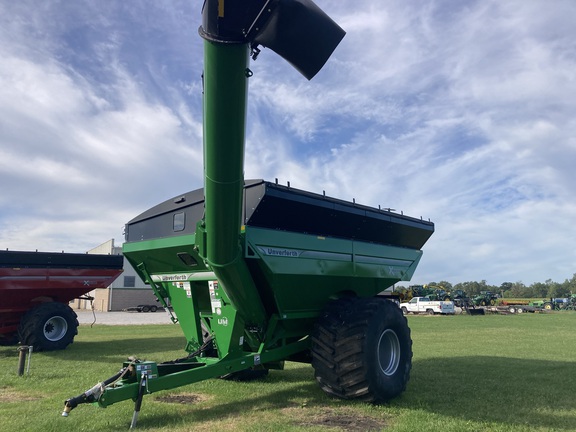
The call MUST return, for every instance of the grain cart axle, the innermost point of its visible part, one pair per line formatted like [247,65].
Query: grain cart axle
[258,273]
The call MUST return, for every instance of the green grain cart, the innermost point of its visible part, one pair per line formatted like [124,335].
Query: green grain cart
[258,273]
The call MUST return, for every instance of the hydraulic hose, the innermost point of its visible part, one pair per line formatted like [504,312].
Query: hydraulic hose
[91,395]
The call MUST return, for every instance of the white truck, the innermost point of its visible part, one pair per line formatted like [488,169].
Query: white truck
[425,305]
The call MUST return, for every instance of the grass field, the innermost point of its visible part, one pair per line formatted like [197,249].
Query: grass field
[481,373]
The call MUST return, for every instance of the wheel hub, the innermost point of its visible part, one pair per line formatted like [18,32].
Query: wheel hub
[55,328]
[389,352]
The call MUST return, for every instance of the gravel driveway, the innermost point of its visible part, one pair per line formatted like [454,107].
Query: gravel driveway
[122,318]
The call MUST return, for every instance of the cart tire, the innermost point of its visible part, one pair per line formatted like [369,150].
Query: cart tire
[362,350]
[520,310]
[48,327]
[512,309]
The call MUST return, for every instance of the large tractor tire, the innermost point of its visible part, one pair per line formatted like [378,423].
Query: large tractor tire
[362,350]
[48,327]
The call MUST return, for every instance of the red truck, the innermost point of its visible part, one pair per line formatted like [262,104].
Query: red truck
[36,287]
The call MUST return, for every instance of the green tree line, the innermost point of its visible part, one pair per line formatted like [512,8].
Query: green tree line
[548,289]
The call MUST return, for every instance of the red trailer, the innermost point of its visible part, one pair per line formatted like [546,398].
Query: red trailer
[36,287]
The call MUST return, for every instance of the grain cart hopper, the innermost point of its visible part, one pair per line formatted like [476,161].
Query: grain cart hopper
[256,272]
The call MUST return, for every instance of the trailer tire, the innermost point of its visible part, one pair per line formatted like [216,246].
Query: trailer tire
[153,308]
[48,327]
[362,350]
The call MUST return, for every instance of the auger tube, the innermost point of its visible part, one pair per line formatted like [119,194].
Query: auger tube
[225,94]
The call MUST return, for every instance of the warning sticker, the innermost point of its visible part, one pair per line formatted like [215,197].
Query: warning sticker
[215,302]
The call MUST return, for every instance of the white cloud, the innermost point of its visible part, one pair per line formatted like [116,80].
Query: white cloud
[461,112]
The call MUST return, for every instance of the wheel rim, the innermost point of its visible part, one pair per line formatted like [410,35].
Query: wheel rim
[389,352]
[55,328]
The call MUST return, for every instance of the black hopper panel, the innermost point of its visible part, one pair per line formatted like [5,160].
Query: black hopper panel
[273,206]
[25,259]
[174,217]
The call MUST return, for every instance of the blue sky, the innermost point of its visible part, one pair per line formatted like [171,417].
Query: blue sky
[461,112]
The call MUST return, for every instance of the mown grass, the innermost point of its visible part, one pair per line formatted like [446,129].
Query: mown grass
[481,373]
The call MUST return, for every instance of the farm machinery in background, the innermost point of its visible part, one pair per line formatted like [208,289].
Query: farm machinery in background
[558,304]
[36,287]
[485,298]
[406,294]
[547,305]
[434,293]
[258,273]
[484,301]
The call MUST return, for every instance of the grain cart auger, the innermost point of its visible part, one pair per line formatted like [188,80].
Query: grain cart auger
[258,273]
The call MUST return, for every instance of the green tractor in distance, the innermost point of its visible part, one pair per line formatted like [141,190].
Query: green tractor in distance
[422,291]
[438,293]
[459,297]
[556,304]
[485,298]
[258,273]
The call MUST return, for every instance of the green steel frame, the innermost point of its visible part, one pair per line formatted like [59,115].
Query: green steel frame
[253,293]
